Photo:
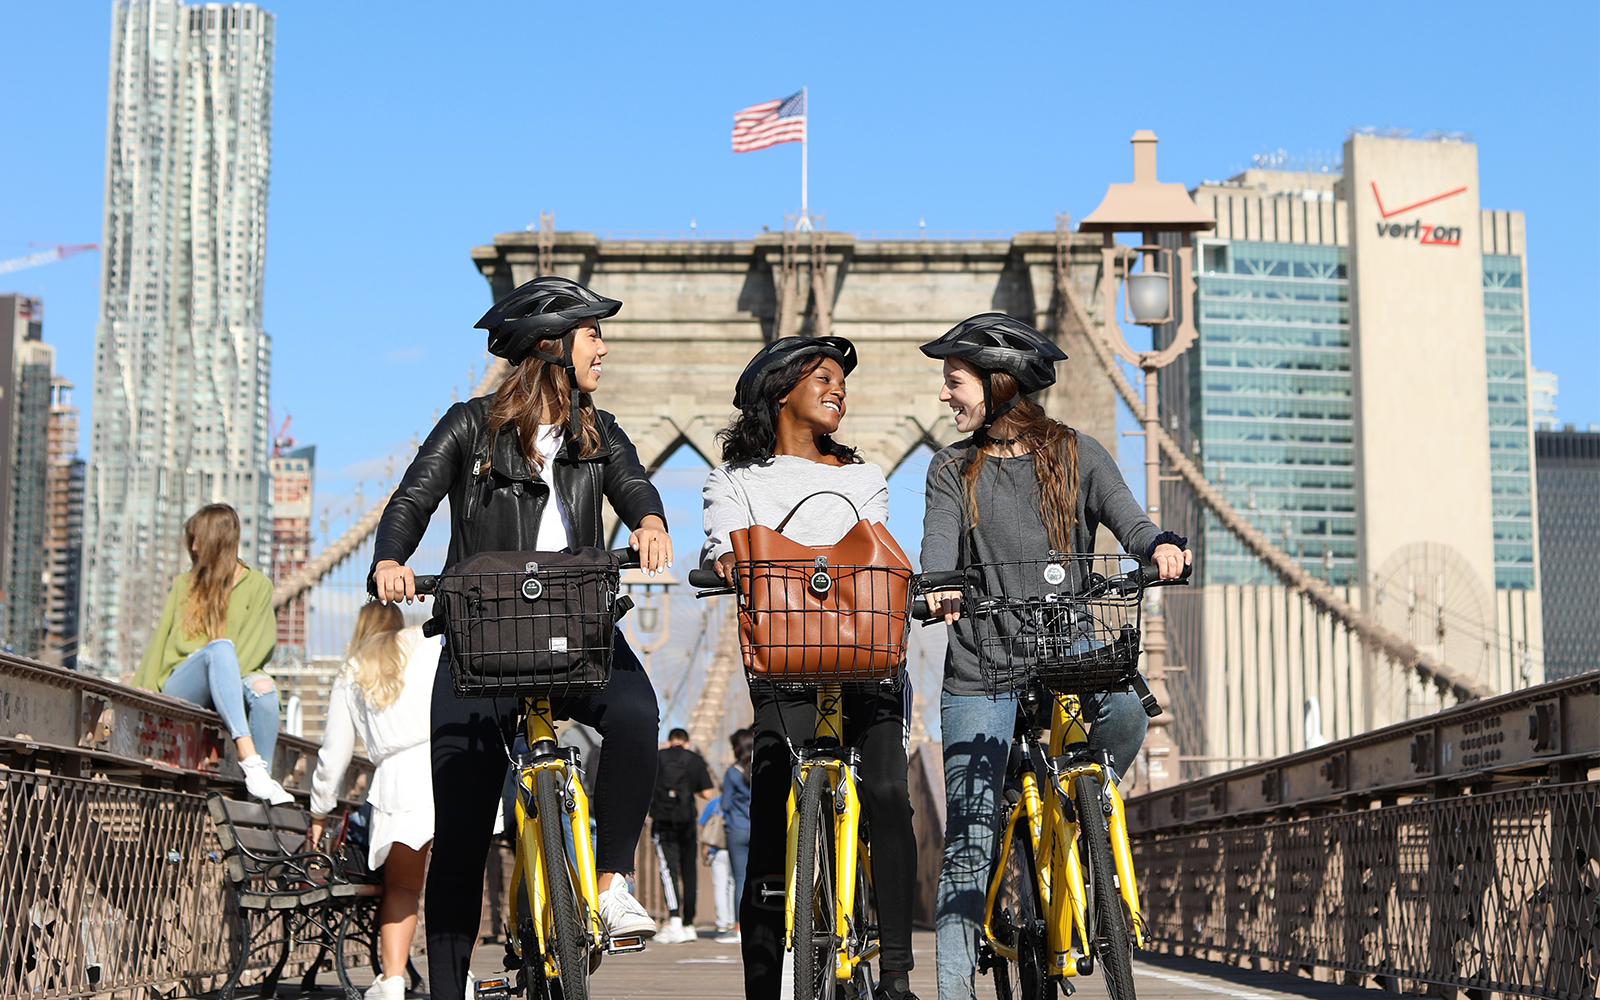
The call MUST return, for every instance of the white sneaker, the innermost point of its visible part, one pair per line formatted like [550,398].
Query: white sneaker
[622,914]
[674,932]
[258,781]
[387,988]
[729,936]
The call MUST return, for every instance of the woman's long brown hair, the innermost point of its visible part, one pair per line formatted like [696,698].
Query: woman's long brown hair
[532,388]
[1054,447]
[212,536]
[375,653]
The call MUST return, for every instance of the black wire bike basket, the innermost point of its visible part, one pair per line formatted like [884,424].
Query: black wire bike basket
[1069,622]
[530,624]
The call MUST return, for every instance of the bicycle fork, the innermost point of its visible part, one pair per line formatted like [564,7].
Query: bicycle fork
[544,755]
[845,826]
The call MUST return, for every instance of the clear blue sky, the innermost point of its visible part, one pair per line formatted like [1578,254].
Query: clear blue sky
[405,133]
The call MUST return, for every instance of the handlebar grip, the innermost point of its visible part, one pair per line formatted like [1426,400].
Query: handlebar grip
[919,610]
[427,584]
[1150,576]
[706,579]
[629,558]
[949,579]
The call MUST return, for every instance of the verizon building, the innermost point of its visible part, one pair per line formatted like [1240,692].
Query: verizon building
[1359,389]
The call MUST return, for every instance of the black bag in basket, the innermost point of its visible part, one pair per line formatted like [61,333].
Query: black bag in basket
[530,623]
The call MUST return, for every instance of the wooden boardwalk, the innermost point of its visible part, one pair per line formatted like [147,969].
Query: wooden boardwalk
[706,969]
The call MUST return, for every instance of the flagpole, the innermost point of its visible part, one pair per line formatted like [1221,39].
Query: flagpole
[804,222]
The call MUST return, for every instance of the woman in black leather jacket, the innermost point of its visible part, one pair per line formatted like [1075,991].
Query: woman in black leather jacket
[526,470]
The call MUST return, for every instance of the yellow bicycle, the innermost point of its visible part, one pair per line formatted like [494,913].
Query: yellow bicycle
[1063,895]
[545,629]
[829,901]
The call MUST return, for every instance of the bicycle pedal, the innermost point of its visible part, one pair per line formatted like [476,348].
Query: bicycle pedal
[623,945]
[492,988]
[1067,989]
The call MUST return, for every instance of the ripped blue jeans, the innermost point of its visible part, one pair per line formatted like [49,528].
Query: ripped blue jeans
[248,705]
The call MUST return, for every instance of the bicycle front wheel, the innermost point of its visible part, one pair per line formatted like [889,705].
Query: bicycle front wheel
[1017,921]
[815,876]
[572,944]
[1112,942]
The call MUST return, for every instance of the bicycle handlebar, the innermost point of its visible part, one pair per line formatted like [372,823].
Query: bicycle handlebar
[1146,576]
[428,584]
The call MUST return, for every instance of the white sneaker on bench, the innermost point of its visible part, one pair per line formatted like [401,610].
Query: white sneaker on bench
[258,782]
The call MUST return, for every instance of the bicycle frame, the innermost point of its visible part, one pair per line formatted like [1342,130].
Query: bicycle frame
[826,750]
[528,868]
[1054,838]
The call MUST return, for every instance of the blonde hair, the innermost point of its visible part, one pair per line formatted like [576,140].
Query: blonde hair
[375,654]
[212,537]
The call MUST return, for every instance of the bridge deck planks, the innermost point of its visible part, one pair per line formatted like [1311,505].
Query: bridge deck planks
[707,969]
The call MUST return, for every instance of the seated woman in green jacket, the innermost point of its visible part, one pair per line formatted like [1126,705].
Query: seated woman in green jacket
[213,641]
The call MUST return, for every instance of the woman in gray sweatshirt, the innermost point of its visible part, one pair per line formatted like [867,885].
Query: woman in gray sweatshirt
[1020,486]
[780,457]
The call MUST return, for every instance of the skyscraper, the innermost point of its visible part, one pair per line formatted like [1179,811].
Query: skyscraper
[181,362]
[28,364]
[63,547]
[1359,390]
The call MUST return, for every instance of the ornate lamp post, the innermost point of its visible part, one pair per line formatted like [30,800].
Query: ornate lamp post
[1151,208]
[650,611]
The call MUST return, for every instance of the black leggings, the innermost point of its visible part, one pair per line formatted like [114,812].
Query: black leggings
[875,721]
[469,769]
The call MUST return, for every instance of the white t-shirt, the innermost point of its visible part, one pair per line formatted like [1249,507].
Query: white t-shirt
[555,533]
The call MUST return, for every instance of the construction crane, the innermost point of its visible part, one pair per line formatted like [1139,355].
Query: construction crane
[57,251]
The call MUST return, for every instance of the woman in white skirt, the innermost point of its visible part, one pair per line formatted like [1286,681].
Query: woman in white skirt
[384,694]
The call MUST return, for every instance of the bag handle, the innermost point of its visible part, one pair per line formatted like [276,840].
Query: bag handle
[819,493]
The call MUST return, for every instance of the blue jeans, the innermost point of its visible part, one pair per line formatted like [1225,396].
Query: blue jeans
[248,706]
[977,746]
[738,854]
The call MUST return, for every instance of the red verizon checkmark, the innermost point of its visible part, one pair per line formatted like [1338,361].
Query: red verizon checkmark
[1416,204]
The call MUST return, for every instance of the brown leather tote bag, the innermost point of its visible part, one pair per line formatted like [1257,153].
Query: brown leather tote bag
[819,613]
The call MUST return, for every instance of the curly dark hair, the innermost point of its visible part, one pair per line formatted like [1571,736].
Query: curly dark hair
[753,434]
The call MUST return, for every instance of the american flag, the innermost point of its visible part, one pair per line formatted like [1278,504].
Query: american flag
[769,123]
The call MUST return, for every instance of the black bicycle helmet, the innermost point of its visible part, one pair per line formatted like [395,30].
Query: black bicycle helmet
[784,350]
[539,310]
[994,342]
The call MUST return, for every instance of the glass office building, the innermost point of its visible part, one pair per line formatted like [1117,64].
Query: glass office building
[1269,402]
[1510,469]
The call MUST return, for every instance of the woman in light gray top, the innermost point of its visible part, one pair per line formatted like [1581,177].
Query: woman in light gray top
[1022,485]
[780,451]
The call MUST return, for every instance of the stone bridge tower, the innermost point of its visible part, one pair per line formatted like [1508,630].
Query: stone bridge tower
[695,311]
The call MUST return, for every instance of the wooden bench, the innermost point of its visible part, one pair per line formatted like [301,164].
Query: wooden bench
[279,882]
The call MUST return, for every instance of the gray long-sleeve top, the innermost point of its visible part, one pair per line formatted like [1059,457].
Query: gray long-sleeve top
[742,494]
[1011,529]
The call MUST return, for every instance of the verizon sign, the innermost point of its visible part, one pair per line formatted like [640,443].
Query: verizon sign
[1417,229]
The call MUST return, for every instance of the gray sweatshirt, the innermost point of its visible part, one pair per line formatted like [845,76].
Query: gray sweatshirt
[1010,529]
[747,493]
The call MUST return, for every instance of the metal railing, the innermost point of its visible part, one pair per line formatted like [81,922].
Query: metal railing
[111,888]
[745,235]
[1457,851]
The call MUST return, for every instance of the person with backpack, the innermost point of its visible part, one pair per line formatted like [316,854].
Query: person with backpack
[1018,486]
[526,469]
[682,782]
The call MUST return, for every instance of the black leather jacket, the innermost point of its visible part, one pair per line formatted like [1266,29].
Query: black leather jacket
[497,500]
